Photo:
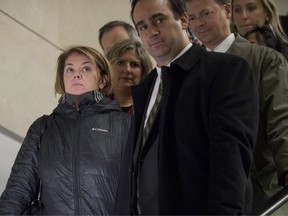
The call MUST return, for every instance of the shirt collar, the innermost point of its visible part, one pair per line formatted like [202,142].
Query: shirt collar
[225,45]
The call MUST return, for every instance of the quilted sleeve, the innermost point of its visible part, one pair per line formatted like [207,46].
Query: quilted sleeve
[22,185]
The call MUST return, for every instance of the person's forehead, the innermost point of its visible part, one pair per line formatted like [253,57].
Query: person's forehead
[151,5]
[199,5]
[75,56]
[114,35]
[240,2]
[120,30]
[146,9]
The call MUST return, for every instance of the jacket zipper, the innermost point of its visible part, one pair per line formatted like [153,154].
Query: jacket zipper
[75,164]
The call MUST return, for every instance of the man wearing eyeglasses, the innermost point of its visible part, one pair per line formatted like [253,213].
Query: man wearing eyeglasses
[196,158]
[210,22]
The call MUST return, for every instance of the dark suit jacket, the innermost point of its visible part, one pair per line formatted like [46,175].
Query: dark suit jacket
[207,130]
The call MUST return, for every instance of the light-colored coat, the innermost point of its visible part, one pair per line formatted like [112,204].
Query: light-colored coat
[271,151]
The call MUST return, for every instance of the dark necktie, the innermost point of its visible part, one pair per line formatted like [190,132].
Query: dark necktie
[153,113]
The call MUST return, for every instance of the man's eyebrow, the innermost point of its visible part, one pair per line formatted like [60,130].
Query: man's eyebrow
[141,22]
[153,17]
[158,15]
[202,11]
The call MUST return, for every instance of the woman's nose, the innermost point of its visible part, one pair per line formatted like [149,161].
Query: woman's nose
[77,75]
[127,68]
[244,14]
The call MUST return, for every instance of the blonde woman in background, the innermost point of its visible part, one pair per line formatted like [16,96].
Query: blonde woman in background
[130,65]
[258,21]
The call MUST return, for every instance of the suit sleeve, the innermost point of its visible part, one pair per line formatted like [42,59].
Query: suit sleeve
[22,185]
[233,123]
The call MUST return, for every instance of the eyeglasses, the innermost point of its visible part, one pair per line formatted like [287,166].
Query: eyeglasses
[205,15]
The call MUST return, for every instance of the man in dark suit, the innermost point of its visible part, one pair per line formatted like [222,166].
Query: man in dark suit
[270,70]
[197,155]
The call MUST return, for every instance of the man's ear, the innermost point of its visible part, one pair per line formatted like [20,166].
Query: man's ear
[184,20]
[228,10]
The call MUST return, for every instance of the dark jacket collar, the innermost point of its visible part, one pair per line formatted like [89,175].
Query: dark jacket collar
[78,100]
[142,91]
[188,59]
[89,102]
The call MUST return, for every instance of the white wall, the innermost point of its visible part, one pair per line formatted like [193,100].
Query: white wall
[9,148]
[31,33]
[282,6]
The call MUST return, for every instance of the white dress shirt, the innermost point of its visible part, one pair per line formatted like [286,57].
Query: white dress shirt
[224,45]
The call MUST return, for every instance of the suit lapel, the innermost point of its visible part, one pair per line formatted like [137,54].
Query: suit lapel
[140,92]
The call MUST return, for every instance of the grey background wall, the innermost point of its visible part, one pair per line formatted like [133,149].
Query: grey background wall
[32,32]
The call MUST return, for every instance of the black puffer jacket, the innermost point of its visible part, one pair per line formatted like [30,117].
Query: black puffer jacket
[78,160]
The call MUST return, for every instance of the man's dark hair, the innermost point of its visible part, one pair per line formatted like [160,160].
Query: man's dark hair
[219,2]
[117,23]
[177,7]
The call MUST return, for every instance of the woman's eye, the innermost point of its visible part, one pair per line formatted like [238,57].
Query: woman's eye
[135,65]
[69,70]
[237,10]
[119,63]
[86,69]
[251,8]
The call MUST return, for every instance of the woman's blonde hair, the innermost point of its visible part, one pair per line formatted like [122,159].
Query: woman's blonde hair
[98,60]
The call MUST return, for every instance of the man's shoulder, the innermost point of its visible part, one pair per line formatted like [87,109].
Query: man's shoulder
[220,57]
[213,56]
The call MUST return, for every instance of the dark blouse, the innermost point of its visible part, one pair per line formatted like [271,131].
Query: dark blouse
[128,109]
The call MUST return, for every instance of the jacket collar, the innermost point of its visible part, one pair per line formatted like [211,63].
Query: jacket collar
[77,100]
[89,102]
[189,58]
[142,91]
